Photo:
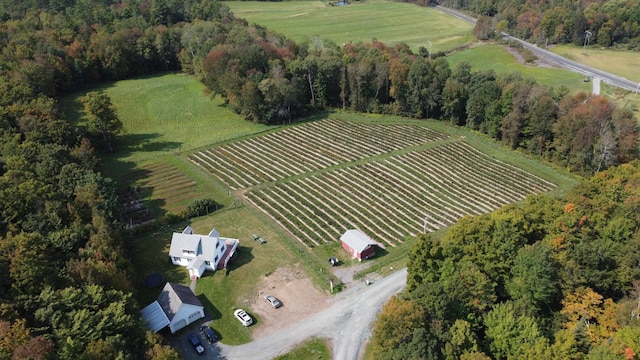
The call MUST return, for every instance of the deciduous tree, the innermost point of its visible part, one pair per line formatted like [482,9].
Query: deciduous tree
[102,116]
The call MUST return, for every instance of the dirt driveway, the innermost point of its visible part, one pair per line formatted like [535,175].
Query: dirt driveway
[299,297]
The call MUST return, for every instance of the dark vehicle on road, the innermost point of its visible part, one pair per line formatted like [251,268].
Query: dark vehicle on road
[194,340]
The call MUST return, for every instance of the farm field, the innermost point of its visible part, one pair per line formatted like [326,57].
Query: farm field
[386,21]
[618,62]
[496,57]
[355,178]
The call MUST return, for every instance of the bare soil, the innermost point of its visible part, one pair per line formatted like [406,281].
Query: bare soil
[299,296]
[541,63]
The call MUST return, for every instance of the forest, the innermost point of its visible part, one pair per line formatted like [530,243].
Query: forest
[548,279]
[602,22]
[67,292]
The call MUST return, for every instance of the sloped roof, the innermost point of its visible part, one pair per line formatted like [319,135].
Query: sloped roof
[154,317]
[173,296]
[357,240]
[200,244]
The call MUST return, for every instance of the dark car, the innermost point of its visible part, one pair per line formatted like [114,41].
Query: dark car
[209,334]
[194,340]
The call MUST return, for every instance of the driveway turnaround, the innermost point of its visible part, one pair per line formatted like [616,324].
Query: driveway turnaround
[346,323]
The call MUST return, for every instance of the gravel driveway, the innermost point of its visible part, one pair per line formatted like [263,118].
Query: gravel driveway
[346,322]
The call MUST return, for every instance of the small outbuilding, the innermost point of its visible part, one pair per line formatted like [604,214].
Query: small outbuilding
[177,306]
[358,244]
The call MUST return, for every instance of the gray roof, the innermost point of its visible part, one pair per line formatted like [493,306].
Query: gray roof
[154,317]
[200,244]
[357,240]
[173,296]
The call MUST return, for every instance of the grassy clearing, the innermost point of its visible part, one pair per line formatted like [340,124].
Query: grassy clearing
[490,56]
[312,349]
[162,115]
[619,62]
[388,22]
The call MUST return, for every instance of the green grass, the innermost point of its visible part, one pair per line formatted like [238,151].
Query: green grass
[360,21]
[167,114]
[312,349]
[618,62]
[490,56]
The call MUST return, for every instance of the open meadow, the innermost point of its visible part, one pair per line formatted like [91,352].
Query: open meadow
[386,21]
[496,57]
[618,62]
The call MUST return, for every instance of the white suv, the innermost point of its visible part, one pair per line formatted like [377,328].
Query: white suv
[244,318]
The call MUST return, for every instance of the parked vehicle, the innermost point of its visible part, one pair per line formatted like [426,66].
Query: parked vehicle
[209,334]
[243,317]
[273,301]
[194,340]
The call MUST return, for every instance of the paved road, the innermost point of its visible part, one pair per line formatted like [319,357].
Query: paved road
[596,86]
[347,323]
[559,60]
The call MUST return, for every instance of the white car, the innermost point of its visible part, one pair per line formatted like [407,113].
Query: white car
[243,317]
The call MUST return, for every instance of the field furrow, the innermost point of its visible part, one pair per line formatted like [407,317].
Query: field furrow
[388,197]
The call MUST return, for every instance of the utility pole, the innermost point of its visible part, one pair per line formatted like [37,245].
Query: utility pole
[587,35]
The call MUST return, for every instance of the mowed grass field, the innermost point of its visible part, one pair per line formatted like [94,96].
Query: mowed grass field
[496,57]
[167,114]
[386,21]
[619,62]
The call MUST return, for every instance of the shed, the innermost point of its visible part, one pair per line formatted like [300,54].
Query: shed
[358,244]
[177,306]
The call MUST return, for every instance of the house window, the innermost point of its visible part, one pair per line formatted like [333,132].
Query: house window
[215,259]
[222,250]
[175,258]
[207,263]
[188,252]
[218,244]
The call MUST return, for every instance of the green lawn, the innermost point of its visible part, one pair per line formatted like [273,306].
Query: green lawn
[491,56]
[618,62]
[386,21]
[166,114]
[317,349]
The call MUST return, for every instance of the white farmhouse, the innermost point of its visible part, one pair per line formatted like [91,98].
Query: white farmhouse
[201,252]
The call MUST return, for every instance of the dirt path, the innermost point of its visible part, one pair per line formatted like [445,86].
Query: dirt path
[345,320]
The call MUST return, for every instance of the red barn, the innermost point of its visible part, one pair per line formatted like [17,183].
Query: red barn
[358,244]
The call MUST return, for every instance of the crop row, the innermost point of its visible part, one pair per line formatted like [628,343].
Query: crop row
[306,148]
[396,197]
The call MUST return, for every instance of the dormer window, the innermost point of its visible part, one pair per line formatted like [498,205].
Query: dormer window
[188,252]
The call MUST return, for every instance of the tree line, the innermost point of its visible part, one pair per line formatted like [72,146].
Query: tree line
[548,279]
[602,22]
[66,290]
[269,79]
